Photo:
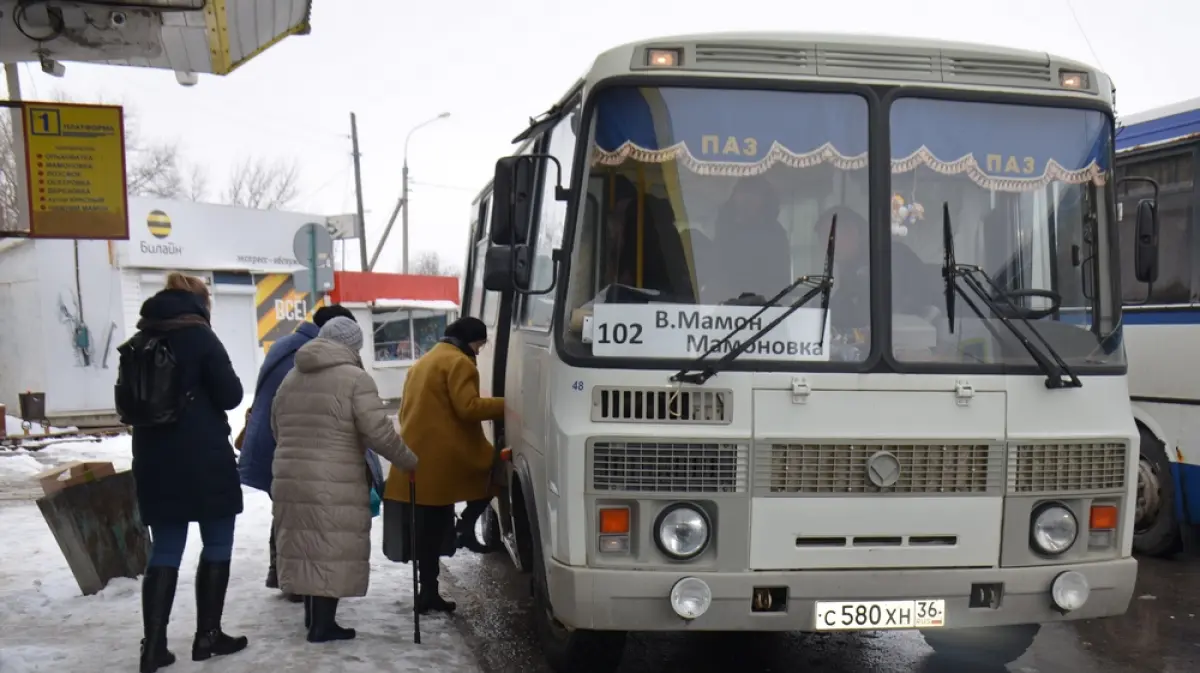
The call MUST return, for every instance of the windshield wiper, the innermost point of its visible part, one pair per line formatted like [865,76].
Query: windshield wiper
[820,285]
[1058,374]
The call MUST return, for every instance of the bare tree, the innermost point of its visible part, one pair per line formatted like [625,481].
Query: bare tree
[155,172]
[10,166]
[430,264]
[196,188]
[255,183]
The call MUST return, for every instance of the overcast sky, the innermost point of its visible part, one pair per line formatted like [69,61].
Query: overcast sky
[397,64]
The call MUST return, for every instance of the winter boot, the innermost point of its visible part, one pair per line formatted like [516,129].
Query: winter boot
[272,575]
[324,627]
[429,600]
[158,594]
[212,581]
[307,611]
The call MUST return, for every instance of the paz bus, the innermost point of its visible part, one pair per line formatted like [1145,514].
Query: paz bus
[1162,323]
[811,333]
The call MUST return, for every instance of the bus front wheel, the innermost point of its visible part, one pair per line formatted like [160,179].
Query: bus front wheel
[570,650]
[1156,528]
[996,645]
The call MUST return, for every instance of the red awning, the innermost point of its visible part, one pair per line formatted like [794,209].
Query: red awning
[357,287]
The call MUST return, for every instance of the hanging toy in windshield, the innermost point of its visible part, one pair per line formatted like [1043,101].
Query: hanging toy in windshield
[905,214]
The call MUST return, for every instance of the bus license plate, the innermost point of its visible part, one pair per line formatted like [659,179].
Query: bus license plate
[874,615]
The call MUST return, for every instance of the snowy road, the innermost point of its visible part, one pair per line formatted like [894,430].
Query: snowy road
[46,626]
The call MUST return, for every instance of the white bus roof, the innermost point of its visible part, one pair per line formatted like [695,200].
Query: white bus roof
[855,39]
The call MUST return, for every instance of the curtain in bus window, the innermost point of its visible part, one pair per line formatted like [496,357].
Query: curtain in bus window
[1011,148]
[730,132]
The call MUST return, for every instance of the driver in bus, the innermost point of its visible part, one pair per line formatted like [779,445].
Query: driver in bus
[914,283]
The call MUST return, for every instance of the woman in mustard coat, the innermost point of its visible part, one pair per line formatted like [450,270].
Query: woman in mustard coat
[441,420]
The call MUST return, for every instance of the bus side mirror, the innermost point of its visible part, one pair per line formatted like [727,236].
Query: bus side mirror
[513,188]
[506,268]
[1145,242]
[512,199]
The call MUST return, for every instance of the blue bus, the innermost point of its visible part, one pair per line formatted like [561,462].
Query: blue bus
[1162,321]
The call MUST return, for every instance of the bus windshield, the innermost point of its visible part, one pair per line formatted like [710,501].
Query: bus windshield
[704,203]
[1025,190]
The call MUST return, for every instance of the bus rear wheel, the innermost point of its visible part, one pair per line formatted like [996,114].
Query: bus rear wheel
[1156,528]
[570,650]
[996,645]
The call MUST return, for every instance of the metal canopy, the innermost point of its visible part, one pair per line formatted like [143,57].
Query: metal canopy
[186,36]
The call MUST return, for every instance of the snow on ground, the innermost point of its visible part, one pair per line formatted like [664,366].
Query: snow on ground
[18,466]
[47,626]
[12,427]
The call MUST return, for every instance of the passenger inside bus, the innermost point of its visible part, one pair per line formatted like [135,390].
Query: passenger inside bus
[664,267]
[749,259]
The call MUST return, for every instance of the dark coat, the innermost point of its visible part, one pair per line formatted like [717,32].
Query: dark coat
[258,447]
[186,471]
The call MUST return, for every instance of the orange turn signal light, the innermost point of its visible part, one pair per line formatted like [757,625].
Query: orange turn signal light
[1103,517]
[506,455]
[614,521]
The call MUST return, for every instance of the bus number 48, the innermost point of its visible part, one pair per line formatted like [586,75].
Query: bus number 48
[619,333]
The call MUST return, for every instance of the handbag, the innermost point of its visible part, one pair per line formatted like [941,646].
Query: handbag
[241,436]
[397,532]
[376,502]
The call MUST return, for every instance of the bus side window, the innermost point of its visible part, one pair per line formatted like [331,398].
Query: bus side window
[1176,213]
[539,309]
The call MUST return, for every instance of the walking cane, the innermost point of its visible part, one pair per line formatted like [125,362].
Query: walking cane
[412,499]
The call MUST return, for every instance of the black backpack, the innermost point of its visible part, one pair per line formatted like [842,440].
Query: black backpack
[149,391]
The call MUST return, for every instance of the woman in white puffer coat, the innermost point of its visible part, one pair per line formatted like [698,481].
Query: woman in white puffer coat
[325,415]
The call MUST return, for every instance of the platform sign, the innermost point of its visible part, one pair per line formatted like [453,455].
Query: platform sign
[75,155]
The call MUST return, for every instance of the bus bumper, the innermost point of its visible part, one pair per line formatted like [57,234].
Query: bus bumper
[639,600]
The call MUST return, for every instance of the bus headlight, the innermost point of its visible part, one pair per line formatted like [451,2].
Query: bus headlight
[1054,529]
[682,531]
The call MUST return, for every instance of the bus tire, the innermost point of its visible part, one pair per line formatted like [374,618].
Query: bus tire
[570,650]
[491,530]
[981,646]
[1156,529]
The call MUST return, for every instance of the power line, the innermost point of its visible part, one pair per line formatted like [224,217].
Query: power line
[437,186]
[341,172]
[1083,32]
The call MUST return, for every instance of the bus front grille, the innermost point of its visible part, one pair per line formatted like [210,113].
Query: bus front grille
[1067,467]
[846,469]
[627,404]
[668,467]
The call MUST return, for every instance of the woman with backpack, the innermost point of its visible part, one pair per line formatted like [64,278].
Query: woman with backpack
[175,385]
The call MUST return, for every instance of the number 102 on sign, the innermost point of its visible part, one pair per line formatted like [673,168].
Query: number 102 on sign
[877,615]
[619,333]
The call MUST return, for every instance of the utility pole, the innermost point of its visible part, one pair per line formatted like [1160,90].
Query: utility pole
[404,214]
[362,222]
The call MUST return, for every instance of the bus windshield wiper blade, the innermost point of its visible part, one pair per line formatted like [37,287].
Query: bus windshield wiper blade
[819,285]
[1058,374]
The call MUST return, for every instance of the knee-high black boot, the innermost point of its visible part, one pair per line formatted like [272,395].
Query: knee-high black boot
[212,581]
[158,594]
[324,627]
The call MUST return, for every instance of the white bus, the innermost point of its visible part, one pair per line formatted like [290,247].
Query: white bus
[1162,322]
[811,333]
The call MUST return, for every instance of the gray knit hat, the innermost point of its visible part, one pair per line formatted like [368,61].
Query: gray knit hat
[344,331]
